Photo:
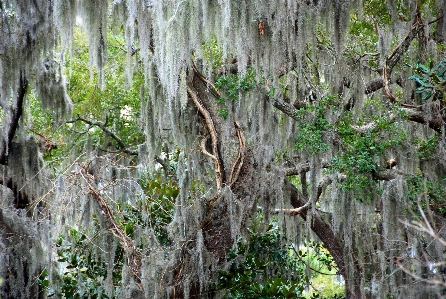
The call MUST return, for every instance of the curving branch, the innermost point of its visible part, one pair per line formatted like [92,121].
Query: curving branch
[208,83]
[323,184]
[219,170]
[103,126]
[325,234]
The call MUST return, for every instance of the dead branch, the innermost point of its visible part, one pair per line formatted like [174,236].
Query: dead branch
[115,228]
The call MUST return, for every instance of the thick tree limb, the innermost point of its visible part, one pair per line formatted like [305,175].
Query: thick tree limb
[286,108]
[326,235]
[304,167]
[219,170]
[414,115]
[422,118]
[326,181]
[386,174]
[16,114]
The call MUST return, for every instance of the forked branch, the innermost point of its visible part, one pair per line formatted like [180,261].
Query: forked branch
[219,171]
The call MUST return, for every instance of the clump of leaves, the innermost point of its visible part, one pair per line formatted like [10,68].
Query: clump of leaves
[431,81]
[427,148]
[253,278]
[116,107]
[158,205]
[232,86]
[361,152]
[429,193]
[263,266]
[83,271]
[314,125]
[213,54]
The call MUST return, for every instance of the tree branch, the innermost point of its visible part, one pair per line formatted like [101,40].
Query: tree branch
[123,148]
[402,48]
[16,114]
[304,167]
[219,170]
[386,174]
[237,166]
[326,181]
[286,108]
[417,116]
[115,228]
[394,58]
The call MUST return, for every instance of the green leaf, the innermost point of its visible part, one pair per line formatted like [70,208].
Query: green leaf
[422,68]
[427,95]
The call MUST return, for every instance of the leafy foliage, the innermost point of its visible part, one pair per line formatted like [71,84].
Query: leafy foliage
[429,193]
[362,151]
[427,148]
[158,204]
[213,54]
[232,86]
[431,81]
[84,271]
[264,267]
[116,106]
[310,136]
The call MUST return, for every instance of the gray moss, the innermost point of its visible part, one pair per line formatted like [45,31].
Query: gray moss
[169,34]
